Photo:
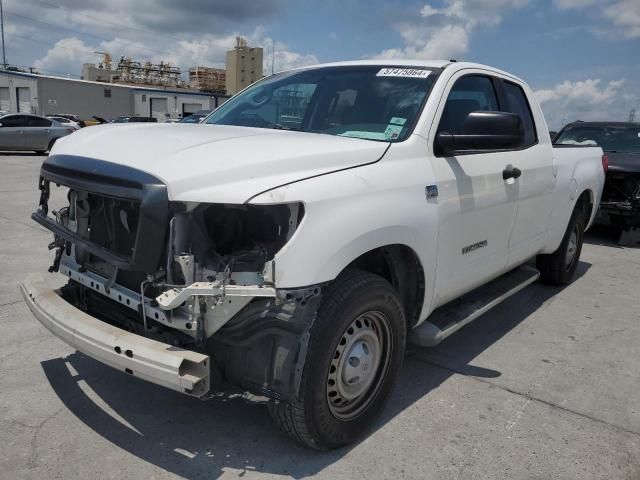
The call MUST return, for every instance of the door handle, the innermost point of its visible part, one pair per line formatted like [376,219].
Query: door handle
[511,172]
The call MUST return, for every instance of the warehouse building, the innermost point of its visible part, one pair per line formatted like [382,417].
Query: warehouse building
[45,95]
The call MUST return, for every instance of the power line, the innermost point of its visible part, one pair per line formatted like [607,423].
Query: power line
[31,19]
[44,71]
[4,53]
[48,44]
[101,20]
[78,32]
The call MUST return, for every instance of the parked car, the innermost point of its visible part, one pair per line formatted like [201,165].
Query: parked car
[30,132]
[72,117]
[620,205]
[65,121]
[196,117]
[95,121]
[134,119]
[171,120]
[294,259]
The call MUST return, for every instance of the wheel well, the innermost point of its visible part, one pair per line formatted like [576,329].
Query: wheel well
[401,267]
[585,202]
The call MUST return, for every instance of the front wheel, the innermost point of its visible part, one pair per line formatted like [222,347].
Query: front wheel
[355,350]
[558,267]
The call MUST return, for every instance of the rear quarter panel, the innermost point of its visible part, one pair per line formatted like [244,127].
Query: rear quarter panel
[578,169]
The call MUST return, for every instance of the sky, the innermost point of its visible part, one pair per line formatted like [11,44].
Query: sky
[581,57]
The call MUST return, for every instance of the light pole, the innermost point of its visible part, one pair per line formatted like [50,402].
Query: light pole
[4,54]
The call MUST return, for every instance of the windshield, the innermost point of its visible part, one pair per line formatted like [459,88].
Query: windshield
[369,102]
[613,139]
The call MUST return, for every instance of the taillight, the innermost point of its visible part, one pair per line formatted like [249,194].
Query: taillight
[605,163]
[71,130]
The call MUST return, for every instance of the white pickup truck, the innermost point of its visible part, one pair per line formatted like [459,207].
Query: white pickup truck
[295,241]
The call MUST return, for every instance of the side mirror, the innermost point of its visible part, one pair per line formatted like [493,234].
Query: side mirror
[482,131]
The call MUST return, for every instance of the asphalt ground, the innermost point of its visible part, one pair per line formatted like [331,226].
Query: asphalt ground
[545,386]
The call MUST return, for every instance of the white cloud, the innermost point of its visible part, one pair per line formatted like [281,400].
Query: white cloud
[445,32]
[568,4]
[159,18]
[67,55]
[284,58]
[626,15]
[158,30]
[623,15]
[590,99]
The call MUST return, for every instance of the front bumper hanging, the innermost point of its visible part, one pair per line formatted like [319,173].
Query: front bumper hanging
[181,370]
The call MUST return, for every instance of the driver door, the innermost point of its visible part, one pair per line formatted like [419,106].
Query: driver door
[477,208]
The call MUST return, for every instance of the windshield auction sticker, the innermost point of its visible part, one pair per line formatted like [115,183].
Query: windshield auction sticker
[403,72]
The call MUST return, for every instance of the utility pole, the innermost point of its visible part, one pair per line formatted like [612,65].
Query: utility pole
[632,115]
[4,55]
[273,54]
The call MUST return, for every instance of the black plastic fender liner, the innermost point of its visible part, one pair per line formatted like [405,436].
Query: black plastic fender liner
[263,349]
[116,181]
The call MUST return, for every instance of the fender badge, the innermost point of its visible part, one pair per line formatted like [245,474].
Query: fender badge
[431,191]
[473,247]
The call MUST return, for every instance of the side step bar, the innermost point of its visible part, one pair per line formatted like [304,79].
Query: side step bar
[450,318]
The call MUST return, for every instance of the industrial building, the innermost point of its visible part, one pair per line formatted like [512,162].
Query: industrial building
[133,72]
[206,79]
[44,95]
[244,66]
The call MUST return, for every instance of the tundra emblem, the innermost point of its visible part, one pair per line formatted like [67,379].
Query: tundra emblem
[473,247]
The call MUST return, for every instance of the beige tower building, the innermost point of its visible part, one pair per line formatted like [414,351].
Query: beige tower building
[244,66]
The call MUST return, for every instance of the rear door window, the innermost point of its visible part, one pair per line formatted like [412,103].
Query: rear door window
[517,103]
[38,122]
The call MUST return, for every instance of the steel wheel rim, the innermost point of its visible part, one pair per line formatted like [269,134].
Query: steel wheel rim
[358,366]
[572,248]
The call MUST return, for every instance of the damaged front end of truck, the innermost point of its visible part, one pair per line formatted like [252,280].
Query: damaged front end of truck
[620,204]
[181,294]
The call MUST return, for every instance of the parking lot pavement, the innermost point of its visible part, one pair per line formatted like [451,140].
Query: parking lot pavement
[547,385]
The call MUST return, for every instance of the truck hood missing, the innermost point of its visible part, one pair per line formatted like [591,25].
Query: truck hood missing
[216,163]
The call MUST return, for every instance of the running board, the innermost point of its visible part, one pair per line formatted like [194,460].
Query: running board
[450,318]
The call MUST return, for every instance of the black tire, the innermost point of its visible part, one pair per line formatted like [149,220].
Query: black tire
[555,268]
[354,305]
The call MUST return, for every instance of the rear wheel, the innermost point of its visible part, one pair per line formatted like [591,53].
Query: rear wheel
[355,349]
[559,267]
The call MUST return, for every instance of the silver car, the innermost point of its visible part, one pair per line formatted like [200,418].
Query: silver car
[19,131]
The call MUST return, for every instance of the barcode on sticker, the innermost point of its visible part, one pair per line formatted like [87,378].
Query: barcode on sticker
[403,72]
